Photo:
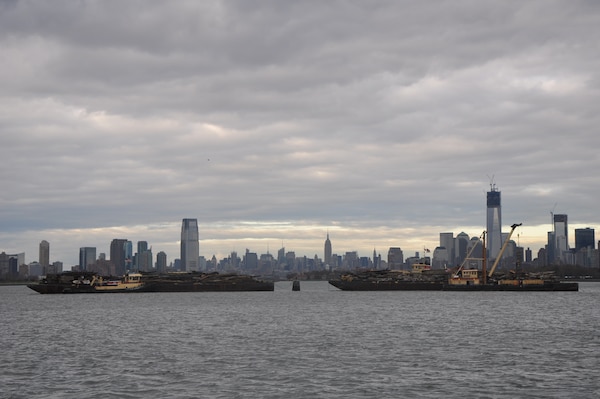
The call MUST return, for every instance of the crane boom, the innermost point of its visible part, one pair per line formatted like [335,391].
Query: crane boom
[468,257]
[512,229]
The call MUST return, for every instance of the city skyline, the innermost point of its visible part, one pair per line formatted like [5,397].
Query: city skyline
[381,124]
[326,244]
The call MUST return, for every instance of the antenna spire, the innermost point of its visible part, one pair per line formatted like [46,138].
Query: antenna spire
[492,183]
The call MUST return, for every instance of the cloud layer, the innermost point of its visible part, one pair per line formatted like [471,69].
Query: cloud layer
[273,122]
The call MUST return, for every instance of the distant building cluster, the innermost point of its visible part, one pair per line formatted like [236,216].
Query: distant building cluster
[452,251]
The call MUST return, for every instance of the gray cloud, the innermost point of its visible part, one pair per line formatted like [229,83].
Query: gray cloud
[384,119]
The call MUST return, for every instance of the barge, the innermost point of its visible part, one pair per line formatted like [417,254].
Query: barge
[92,283]
[391,280]
[462,279]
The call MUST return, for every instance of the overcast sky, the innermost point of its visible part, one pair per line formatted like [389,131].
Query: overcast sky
[273,122]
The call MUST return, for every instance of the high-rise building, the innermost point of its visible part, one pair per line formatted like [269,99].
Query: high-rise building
[585,238]
[161,262]
[117,255]
[395,258]
[250,260]
[280,255]
[55,268]
[561,237]
[145,261]
[128,246]
[87,257]
[44,254]
[461,244]
[528,255]
[142,246]
[440,258]
[447,242]
[9,264]
[494,222]
[327,257]
[290,260]
[190,246]
[550,249]
[376,260]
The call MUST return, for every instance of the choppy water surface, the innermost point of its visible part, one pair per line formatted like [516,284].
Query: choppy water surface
[316,343]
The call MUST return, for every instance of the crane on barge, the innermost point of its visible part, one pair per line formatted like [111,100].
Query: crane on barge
[474,276]
[512,229]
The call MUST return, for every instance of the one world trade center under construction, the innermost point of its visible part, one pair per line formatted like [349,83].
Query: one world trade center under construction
[494,222]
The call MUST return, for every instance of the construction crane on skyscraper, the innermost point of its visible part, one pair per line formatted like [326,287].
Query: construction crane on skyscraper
[552,216]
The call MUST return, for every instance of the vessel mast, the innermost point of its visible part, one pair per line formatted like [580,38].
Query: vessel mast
[484,261]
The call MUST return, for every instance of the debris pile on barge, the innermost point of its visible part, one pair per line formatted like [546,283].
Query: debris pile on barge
[391,280]
[199,282]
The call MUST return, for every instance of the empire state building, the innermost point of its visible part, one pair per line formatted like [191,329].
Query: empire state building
[327,256]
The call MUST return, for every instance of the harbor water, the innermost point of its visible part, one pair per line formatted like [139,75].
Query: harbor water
[318,342]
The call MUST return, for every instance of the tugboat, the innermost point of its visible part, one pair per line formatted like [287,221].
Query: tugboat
[86,283]
[481,280]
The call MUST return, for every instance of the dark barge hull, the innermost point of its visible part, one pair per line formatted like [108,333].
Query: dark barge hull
[65,289]
[177,282]
[61,289]
[435,286]
[387,285]
[203,282]
[72,289]
[187,286]
[547,286]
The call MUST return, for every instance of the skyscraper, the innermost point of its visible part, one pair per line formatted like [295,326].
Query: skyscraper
[44,253]
[128,246]
[585,242]
[447,242]
[461,243]
[145,261]
[494,222]
[550,249]
[87,257]
[584,238]
[161,262]
[142,246]
[190,246]
[561,237]
[117,255]
[395,258]
[327,256]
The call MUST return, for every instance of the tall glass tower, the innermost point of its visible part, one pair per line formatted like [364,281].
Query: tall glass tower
[561,237]
[584,238]
[190,247]
[87,257]
[117,255]
[494,222]
[44,253]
